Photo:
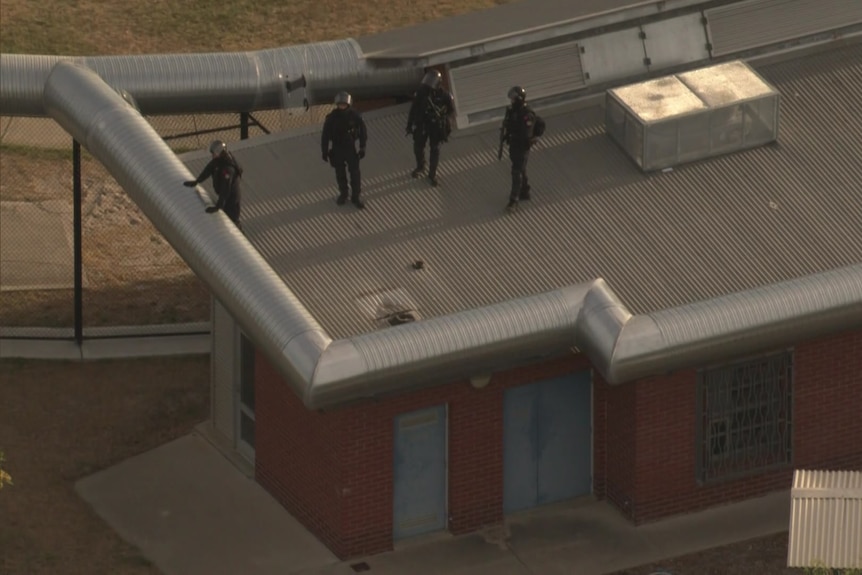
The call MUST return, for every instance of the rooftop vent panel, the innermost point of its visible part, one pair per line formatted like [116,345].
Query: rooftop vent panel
[390,307]
[693,115]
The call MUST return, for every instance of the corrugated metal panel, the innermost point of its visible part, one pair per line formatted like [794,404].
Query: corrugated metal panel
[663,240]
[477,27]
[224,371]
[826,519]
[675,42]
[755,23]
[213,82]
[544,72]
[613,55]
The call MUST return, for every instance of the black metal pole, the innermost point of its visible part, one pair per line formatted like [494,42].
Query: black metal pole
[243,125]
[77,217]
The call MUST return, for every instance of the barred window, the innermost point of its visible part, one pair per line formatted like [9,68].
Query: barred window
[744,416]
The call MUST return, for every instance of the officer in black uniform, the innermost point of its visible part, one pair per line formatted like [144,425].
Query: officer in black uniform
[521,127]
[342,128]
[226,173]
[429,121]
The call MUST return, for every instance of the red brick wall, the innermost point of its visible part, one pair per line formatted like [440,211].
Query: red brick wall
[475,465]
[827,431]
[614,442]
[828,409]
[334,472]
[297,456]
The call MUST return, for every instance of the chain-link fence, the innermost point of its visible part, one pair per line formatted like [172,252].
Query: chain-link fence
[104,269]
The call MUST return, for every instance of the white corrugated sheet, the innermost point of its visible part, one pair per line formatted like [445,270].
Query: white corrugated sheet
[826,519]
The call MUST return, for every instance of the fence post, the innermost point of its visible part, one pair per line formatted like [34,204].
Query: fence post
[77,201]
[243,125]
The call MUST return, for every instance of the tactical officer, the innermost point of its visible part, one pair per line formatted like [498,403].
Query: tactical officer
[429,121]
[521,128]
[226,173]
[342,128]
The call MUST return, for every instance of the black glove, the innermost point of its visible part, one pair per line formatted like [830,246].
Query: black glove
[361,153]
[408,131]
[325,156]
[211,210]
[190,183]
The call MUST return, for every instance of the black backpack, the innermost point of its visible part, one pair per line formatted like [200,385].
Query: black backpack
[538,126]
[235,165]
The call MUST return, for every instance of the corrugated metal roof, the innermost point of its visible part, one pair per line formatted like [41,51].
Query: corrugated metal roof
[481,26]
[826,519]
[659,240]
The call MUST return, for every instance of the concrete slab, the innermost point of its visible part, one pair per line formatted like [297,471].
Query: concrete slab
[35,246]
[720,525]
[39,349]
[585,537]
[109,348]
[146,346]
[593,538]
[192,513]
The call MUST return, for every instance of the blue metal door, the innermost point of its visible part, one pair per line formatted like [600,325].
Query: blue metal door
[547,442]
[419,504]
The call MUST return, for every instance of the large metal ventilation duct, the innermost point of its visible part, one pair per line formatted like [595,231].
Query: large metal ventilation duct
[216,82]
[326,373]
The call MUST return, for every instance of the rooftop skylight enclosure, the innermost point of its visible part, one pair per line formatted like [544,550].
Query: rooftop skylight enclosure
[693,115]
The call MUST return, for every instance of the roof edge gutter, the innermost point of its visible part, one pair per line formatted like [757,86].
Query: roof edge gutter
[735,325]
[621,346]
[458,346]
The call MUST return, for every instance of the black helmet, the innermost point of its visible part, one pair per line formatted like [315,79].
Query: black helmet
[432,78]
[343,98]
[517,93]
[217,147]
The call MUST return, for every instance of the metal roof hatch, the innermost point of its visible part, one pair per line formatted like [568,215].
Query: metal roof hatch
[692,115]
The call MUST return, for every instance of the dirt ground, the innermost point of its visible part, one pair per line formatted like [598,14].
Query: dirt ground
[61,421]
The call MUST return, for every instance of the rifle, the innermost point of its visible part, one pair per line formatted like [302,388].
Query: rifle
[441,117]
[504,133]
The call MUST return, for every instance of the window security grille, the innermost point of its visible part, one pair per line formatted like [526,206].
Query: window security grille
[744,416]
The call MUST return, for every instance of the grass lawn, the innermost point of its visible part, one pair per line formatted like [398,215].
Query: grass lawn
[61,421]
[89,27]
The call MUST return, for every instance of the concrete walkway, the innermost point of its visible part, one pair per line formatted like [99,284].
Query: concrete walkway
[108,348]
[192,512]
